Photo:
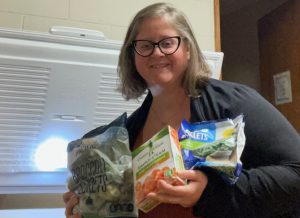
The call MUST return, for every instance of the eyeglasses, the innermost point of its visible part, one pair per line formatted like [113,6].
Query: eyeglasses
[167,46]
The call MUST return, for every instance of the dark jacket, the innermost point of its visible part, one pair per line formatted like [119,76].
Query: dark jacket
[269,185]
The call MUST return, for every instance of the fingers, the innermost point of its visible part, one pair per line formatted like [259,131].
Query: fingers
[71,200]
[67,196]
[192,175]
[165,188]
[165,198]
[74,216]
[197,181]
[185,195]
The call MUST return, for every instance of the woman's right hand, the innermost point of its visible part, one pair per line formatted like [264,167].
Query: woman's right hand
[71,200]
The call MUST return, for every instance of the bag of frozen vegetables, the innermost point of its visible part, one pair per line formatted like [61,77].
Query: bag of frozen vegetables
[214,144]
[100,166]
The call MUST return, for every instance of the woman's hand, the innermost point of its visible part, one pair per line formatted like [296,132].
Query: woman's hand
[71,200]
[186,195]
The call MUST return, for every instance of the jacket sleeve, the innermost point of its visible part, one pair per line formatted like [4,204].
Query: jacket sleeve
[269,184]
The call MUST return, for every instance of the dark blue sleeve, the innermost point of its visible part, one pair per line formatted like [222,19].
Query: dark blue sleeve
[269,185]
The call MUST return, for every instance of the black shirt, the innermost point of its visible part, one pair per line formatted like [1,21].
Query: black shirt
[269,185]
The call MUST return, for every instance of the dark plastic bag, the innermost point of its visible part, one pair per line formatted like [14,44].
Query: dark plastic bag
[101,172]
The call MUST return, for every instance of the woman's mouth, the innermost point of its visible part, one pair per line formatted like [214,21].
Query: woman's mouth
[158,66]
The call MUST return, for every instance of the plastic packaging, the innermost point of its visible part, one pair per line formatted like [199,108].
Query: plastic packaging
[214,144]
[101,172]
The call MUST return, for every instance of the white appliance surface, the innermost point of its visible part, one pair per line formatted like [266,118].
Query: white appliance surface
[55,85]
[33,213]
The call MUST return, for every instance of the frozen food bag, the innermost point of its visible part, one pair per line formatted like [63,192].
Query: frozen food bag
[100,166]
[214,144]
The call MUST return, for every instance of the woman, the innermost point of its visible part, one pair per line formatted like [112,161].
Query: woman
[160,54]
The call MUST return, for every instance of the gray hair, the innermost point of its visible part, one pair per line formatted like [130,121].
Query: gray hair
[132,85]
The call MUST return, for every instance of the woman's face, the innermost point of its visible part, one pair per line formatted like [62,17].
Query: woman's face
[159,69]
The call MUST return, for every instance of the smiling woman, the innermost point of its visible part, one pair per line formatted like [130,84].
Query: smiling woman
[167,46]
[170,79]
[36,16]
[150,62]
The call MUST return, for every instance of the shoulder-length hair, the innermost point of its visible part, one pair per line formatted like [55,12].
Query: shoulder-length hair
[132,85]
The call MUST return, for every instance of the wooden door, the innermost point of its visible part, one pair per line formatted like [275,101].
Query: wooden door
[279,46]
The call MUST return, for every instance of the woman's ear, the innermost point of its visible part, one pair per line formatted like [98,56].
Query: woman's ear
[188,54]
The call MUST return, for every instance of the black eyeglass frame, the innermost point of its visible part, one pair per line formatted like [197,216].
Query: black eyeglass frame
[154,44]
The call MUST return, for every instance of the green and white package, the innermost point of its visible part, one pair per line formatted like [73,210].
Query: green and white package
[214,144]
[100,164]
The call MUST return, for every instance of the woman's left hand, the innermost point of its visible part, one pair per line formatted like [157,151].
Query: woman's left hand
[186,195]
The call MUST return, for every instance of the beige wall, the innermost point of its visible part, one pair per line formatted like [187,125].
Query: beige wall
[109,16]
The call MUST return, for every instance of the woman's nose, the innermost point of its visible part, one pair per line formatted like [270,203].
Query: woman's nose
[157,51]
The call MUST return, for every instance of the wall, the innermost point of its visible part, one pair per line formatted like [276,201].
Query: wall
[109,16]
[239,40]
[279,40]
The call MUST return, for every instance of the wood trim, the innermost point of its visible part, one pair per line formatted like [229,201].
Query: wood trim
[217,25]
